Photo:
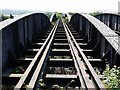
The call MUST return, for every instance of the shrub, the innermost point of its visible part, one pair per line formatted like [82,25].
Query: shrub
[112,77]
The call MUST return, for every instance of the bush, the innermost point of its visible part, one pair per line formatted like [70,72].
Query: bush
[112,77]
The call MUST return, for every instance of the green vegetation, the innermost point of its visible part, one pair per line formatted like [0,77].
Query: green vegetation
[48,14]
[19,69]
[14,12]
[112,77]
[5,13]
[95,13]
[66,19]
[70,13]
[4,17]
[42,84]
[58,15]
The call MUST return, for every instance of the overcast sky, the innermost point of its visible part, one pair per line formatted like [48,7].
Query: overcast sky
[62,5]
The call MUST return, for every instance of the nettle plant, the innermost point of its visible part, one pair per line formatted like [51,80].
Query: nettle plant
[112,77]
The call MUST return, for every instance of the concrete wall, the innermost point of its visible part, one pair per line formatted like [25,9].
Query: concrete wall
[100,35]
[17,33]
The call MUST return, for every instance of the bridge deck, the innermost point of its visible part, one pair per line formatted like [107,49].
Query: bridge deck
[63,55]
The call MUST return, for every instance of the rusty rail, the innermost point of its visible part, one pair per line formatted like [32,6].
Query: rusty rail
[36,58]
[80,59]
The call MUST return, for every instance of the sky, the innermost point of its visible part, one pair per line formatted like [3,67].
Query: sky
[85,6]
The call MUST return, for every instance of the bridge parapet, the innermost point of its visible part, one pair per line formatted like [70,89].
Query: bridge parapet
[53,17]
[98,35]
[17,33]
[68,15]
[111,20]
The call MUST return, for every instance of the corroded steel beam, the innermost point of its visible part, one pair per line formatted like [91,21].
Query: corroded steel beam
[98,35]
[18,32]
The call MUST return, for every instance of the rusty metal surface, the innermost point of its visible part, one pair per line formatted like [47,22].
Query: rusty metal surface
[81,63]
[109,34]
[111,20]
[25,75]
[97,30]
[7,22]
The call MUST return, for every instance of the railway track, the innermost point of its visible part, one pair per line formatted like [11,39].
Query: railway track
[59,58]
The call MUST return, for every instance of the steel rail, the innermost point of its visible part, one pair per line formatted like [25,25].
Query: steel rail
[77,67]
[85,82]
[28,70]
[41,62]
[93,74]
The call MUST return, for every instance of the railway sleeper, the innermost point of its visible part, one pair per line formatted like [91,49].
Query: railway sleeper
[60,52]
[60,45]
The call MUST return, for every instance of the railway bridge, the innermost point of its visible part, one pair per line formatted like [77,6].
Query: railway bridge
[38,53]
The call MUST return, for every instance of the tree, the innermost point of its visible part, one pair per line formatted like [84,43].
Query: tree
[95,13]
[70,13]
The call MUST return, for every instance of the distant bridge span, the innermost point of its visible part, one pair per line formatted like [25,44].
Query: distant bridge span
[99,34]
[111,20]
